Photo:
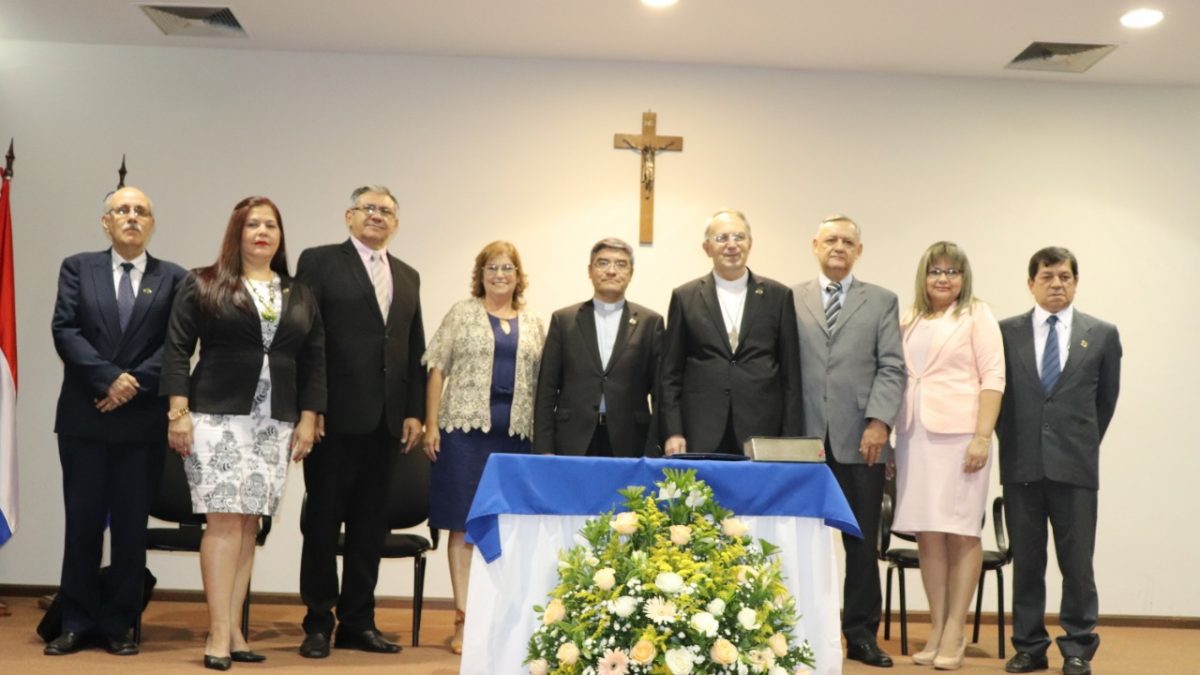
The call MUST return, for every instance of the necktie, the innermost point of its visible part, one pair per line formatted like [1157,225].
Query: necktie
[834,289]
[379,281]
[1051,368]
[125,295]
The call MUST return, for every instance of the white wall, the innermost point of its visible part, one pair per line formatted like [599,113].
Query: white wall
[481,149]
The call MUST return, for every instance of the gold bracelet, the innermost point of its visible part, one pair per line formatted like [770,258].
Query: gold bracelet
[175,414]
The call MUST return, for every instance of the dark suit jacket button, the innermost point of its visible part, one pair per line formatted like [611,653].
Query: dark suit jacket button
[733,362]
[726,392]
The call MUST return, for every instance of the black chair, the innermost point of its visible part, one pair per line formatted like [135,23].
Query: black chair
[897,559]
[407,507]
[902,559]
[995,561]
[173,504]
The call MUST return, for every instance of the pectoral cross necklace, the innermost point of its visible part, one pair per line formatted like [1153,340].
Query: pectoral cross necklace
[734,320]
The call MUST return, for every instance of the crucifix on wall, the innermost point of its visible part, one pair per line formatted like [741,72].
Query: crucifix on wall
[648,143]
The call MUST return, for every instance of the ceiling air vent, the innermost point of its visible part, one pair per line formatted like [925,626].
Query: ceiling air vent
[1060,57]
[195,21]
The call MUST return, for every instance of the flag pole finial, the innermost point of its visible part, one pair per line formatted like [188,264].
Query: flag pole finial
[8,161]
[121,173]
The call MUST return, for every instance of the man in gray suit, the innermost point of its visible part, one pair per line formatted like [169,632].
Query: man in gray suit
[599,366]
[1063,375]
[852,366]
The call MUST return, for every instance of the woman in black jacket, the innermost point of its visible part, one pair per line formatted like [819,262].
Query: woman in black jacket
[250,404]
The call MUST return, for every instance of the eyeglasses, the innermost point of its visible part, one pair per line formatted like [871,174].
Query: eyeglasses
[372,210]
[500,269]
[949,273]
[126,210]
[725,237]
[605,263]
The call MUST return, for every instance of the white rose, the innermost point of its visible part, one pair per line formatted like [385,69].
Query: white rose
[567,654]
[605,578]
[539,667]
[669,582]
[705,623]
[679,661]
[680,534]
[555,612]
[748,618]
[624,606]
[716,607]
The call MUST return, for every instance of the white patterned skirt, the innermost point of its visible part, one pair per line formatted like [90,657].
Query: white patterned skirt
[239,462]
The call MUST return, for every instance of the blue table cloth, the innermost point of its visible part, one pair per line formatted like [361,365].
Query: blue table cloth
[553,485]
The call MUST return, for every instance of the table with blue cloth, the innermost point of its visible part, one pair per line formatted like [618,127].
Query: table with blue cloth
[529,508]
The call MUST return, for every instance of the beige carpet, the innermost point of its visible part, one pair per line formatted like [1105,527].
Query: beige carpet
[173,642]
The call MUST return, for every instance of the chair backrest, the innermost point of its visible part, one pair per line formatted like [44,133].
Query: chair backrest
[409,503]
[1001,530]
[173,501]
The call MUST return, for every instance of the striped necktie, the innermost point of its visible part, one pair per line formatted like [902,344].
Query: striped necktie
[1051,368]
[834,306]
[379,269]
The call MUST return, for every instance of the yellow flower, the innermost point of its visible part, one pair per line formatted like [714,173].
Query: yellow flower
[625,522]
[567,654]
[779,644]
[723,652]
[555,611]
[643,652]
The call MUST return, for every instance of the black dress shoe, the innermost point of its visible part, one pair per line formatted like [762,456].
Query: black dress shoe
[247,656]
[368,640]
[122,645]
[1074,665]
[1024,662]
[218,662]
[315,646]
[67,643]
[869,653]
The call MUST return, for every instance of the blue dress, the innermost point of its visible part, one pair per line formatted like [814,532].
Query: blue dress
[455,475]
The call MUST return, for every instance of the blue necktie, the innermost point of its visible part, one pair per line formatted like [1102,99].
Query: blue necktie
[1051,368]
[125,296]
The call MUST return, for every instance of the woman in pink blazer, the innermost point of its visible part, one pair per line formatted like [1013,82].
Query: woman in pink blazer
[955,361]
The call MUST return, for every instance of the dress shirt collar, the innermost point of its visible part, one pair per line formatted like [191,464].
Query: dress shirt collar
[366,251]
[1040,316]
[139,263]
[825,281]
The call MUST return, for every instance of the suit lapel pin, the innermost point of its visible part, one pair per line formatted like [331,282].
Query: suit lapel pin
[1083,343]
[632,321]
[758,291]
[287,290]
[146,291]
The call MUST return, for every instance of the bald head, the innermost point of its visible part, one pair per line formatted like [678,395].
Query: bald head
[128,221]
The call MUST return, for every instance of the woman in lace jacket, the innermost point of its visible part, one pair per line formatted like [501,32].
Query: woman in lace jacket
[483,363]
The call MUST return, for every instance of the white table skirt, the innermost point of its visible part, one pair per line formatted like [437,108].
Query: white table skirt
[500,616]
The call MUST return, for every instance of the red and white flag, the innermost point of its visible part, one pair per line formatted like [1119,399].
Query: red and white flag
[8,373]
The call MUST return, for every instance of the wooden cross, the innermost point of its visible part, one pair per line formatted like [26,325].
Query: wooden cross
[648,143]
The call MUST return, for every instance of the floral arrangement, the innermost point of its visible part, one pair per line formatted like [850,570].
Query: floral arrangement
[672,585]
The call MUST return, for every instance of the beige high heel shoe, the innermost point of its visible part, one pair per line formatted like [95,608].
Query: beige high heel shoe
[951,662]
[456,642]
[926,656]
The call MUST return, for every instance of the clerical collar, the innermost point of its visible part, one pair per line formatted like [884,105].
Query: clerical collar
[608,306]
[738,284]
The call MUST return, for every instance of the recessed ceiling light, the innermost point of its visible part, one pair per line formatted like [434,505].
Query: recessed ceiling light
[1141,18]
[659,3]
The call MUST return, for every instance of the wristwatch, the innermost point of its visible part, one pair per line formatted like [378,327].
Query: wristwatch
[175,414]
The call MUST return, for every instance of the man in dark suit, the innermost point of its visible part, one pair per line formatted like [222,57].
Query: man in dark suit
[853,365]
[599,366]
[731,362]
[1063,375]
[110,321]
[374,338]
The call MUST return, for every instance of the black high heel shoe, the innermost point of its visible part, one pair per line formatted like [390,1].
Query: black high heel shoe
[247,656]
[218,662]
